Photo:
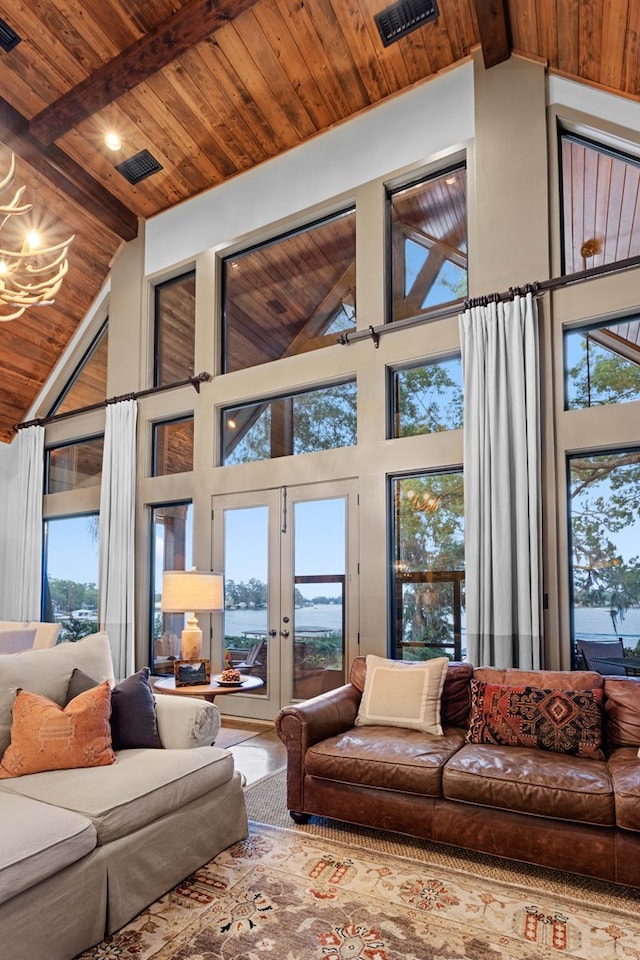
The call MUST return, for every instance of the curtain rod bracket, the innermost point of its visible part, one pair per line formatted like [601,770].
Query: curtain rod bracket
[203,377]
[374,336]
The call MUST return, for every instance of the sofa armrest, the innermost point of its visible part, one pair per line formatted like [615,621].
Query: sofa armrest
[186,721]
[301,725]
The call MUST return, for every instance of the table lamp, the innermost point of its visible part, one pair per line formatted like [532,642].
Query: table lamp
[185,591]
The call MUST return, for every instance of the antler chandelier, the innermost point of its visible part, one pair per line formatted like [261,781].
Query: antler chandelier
[32,275]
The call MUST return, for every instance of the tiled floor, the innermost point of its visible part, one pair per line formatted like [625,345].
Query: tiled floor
[257,750]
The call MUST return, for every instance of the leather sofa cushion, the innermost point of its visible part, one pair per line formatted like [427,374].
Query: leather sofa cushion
[391,758]
[547,679]
[139,788]
[38,840]
[622,711]
[531,781]
[624,766]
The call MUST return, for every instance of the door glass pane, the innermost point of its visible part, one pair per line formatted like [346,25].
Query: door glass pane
[428,573]
[70,594]
[172,549]
[604,505]
[319,596]
[246,568]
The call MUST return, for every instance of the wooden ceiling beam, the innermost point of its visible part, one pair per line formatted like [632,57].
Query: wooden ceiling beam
[66,175]
[495,30]
[183,30]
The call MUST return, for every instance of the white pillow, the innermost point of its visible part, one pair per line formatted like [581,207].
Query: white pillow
[400,694]
[48,672]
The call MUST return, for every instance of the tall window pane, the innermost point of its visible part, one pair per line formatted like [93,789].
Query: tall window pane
[171,549]
[70,578]
[604,511]
[175,329]
[429,244]
[427,399]
[601,213]
[291,295]
[302,423]
[602,364]
[74,466]
[428,565]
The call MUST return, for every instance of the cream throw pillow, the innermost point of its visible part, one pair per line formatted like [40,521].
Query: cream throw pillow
[400,694]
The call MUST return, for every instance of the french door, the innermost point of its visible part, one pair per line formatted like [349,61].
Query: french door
[289,556]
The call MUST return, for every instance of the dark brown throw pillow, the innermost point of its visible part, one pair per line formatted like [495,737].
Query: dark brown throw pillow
[133,709]
[563,721]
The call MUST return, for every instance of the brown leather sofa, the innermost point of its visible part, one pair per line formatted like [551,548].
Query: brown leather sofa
[531,805]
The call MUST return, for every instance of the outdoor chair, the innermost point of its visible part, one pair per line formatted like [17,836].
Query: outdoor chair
[592,650]
[251,659]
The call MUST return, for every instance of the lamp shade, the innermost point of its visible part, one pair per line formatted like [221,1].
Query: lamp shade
[186,590]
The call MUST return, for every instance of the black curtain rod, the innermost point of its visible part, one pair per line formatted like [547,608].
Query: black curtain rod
[539,286]
[194,381]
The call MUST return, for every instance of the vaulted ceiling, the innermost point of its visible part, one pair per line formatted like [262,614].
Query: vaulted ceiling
[210,89]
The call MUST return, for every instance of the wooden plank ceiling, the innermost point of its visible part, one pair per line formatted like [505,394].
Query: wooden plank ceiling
[211,89]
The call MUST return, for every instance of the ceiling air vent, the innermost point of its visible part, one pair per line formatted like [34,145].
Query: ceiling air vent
[138,167]
[403,17]
[8,37]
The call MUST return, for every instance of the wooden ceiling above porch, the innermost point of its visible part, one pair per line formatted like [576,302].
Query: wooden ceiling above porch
[212,89]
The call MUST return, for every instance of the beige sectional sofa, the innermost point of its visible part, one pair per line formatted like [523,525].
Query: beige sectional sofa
[84,850]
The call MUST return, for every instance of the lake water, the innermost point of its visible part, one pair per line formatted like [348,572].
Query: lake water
[327,616]
[590,623]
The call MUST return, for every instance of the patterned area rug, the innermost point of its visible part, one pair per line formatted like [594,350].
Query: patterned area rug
[290,896]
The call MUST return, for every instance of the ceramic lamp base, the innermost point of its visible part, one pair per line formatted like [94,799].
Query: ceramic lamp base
[191,640]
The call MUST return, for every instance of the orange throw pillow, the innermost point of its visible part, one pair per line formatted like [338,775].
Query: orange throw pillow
[45,736]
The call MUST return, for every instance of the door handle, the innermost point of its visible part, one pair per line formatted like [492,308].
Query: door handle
[273,633]
[284,633]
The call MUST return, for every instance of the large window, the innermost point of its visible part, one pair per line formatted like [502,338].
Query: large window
[171,549]
[427,398]
[301,423]
[604,501]
[88,385]
[74,466]
[175,329]
[429,244]
[602,364]
[600,207]
[291,295]
[427,578]
[70,575]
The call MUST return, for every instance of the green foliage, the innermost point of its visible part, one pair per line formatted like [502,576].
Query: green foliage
[74,629]
[67,595]
[600,376]
[321,420]
[429,538]
[605,500]
[429,399]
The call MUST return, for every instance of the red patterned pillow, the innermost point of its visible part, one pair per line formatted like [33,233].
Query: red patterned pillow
[564,721]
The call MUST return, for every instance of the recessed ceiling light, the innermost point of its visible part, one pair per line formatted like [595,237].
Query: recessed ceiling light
[113,141]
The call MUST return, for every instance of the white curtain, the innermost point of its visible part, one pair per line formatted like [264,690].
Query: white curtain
[23,470]
[116,587]
[501,483]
